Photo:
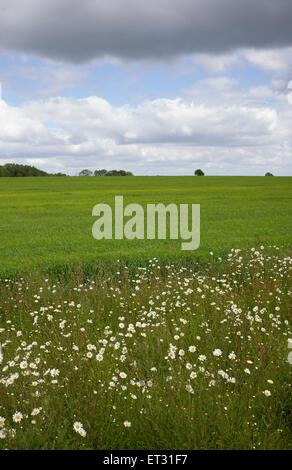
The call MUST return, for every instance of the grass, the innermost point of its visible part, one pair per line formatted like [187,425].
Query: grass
[102,348]
[190,359]
[46,222]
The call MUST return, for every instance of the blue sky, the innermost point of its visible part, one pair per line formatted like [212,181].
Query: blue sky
[25,78]
[145,91]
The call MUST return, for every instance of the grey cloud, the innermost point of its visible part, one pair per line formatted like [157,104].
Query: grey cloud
[75,31]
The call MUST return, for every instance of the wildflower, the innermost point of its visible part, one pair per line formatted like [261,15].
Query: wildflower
[2,421]
[99,357]
[2,434]
[267,393]
[77,426]
[17,417]
[202,357]
[232,356]
[192,348]
[54,372]
[35,411]
[127,424]
[217,352]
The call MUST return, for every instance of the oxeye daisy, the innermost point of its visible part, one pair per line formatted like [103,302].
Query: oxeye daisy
[77,426]
[192,348]
[217,352]
[17,417]
[127,424]
[267,393]
[35,411]
[232,356]
[202,357]
[2,421]
[99,357]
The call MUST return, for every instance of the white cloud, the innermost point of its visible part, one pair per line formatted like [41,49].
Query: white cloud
[213,125]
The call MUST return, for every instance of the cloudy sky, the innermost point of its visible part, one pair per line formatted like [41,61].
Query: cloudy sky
[157,87]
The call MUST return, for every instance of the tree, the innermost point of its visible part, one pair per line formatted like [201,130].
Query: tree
[85,173]
[119,173]
[100,172]
[17,170]
[199,173]
[269,174]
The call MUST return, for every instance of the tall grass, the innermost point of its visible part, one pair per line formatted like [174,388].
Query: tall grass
[172,357]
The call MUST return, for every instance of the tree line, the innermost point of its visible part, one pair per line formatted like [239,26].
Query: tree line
[105,173]
[15,169]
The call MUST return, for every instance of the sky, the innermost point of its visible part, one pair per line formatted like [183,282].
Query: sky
[161,87]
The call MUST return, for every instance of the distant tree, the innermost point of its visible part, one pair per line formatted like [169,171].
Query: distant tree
[112,173]
[269,174]
[100,172]
[85,173]
[199,173]
[119,173]
[17,170]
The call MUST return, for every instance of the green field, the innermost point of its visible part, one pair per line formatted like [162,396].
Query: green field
[46,222]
